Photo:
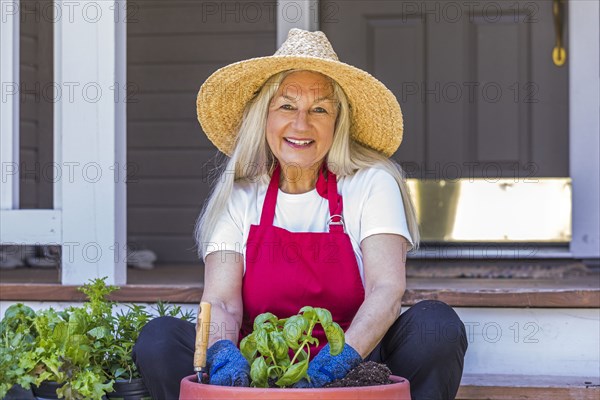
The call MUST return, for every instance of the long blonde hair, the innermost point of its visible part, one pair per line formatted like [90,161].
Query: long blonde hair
[252,160]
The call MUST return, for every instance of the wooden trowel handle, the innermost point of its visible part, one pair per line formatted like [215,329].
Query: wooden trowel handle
[202,328]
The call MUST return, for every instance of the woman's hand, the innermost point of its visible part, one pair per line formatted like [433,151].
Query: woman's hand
[226,365]
[325,368]
[223,289]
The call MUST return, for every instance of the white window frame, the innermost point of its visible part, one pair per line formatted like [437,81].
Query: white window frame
[9,104]
[88,218]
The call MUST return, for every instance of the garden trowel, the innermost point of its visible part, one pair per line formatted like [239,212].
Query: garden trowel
[202,329]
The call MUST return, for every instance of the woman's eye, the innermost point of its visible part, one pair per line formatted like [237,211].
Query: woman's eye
[287,107]
[320,110]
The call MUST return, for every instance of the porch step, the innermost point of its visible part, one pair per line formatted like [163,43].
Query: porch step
[531,387]
[460,283]
[183,284]
[455,292]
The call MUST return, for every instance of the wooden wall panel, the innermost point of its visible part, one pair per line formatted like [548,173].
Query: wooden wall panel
[401,77]
[159,221]
[200,17]
[172,47]
[166,192]
[147,134]
[168,162]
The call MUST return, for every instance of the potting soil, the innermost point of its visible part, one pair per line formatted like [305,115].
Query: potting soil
[368,373]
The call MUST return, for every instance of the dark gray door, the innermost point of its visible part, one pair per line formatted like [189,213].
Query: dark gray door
[480,94]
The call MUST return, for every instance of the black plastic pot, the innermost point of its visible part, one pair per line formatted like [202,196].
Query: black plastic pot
[129,390]
[122,390]
[46,390]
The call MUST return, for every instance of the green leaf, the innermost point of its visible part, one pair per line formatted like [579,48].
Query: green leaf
[293,329]
[309,314]
[4,388]
[324,316]
[276,371]
[119,372]
[99,332]
[264,318]
[60,334]
[248,347]
[259,372]
[306,309]
[311,340]
[284,362]
[302,356]
[278,344]
[18,311]
[262,342]
[335,338]
[293,374]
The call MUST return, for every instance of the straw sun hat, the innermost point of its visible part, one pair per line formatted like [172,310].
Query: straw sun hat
[375,113]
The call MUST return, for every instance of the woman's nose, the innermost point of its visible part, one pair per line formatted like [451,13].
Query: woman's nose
[301,122]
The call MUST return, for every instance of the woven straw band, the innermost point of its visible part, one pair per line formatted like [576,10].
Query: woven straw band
[376,119]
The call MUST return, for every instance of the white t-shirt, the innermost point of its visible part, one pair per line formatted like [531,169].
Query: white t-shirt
[372,205]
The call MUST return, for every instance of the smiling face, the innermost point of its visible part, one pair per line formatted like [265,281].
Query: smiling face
[301,120]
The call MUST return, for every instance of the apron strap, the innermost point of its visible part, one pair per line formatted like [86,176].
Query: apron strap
[268,212]
[329,191]
[335,221]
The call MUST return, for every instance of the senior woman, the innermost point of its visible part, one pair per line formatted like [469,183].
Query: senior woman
[309,210]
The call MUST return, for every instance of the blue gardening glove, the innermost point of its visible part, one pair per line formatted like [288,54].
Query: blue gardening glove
[226,365]
[325,368]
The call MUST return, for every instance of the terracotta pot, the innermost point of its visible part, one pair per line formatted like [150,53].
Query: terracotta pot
[192,390]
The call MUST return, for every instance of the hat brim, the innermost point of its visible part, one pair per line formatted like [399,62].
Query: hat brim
[375,114]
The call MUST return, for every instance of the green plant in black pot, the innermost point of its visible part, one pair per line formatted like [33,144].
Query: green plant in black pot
[82,352]
[126,327]
[116,333]
[17,336]
[114,337]
[64,354]
[119,364]
[59,353]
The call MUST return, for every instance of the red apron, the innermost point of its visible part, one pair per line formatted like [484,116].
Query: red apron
[286,271]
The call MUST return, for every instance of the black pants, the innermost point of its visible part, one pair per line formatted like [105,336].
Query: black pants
[425,345]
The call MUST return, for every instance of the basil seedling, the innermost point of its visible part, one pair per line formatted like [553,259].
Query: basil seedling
[269,346]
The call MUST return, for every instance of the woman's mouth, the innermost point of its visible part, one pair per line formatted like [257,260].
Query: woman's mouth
[299,144]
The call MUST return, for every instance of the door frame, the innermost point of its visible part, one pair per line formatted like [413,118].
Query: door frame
[584,126]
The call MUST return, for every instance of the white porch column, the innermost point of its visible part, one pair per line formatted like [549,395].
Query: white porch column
[9,104]
[584,122]
[90,139]
[303,14]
